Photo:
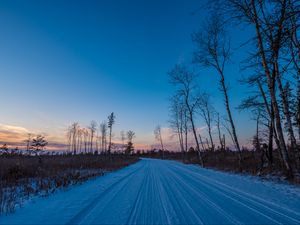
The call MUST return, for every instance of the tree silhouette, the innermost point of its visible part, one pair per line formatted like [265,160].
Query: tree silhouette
[158,137]
[130,148]
[214,51]
[103,131]
[111,121]
[186,80]
[38,143]
[92,128]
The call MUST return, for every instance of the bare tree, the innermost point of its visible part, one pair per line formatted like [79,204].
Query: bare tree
[288,111]
[85,136]
[213,50]
[79,138]
[269,39]
[186,80]
[207,112]
[297,108]
[92,128]
[272,131]
[130,136]
[186,127]
[258,113]
[73,133]
[69,138]
[222,142]
[111,121]
[28,141]
[122,133]
[158,137]
[260,101]
[177,122]
[103,131]
[201,142]
[97,140]
[293,48]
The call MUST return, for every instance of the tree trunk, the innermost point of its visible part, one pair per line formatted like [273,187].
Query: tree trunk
[298,108]
[272,94]
[219,133]
[109,145]
[224,143]
[257,134]
[74,142]
[286,110]
[190,111]
[179,133]
[236,142]
[162,146]
[209,129]
[196,138]
[202,144]
[270,143]
[271,126]
[211,140]
[186,131]
[91,145]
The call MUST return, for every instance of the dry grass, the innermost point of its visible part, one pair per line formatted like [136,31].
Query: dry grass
[24,176]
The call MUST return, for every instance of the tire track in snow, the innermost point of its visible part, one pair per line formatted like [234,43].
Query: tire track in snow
[137,201]
[200,195]
[246,194]
[175,193]
[253,199]
[230,195]
[162,198]
[150,205]
[88,208]
[244,199]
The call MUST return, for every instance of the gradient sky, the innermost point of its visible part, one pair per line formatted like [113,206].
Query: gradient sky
[64,61]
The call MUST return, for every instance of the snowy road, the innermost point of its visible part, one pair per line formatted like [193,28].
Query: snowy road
[166,192]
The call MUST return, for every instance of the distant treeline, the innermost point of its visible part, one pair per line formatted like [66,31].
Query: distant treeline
[98,139]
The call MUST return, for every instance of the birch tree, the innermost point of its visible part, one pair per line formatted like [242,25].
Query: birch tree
[130,136]
[103,131]
[268,18]
[207,112]
[214,50]
[186,81]
[92,128]
[158,137]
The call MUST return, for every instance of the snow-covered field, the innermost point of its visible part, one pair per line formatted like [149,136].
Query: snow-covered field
[165,192]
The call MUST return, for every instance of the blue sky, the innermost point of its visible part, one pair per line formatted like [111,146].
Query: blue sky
[66,61]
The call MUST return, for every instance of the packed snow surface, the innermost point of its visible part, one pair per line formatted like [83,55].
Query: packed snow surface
[165,192]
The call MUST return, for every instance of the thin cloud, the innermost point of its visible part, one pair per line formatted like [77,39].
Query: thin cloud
[12,134]
[12,129]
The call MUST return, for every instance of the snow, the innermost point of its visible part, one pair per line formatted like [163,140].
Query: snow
[165,192]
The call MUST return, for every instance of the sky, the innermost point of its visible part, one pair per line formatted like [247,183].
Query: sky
[76,61]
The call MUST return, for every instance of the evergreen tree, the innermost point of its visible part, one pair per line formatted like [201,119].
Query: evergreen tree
[38,143]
